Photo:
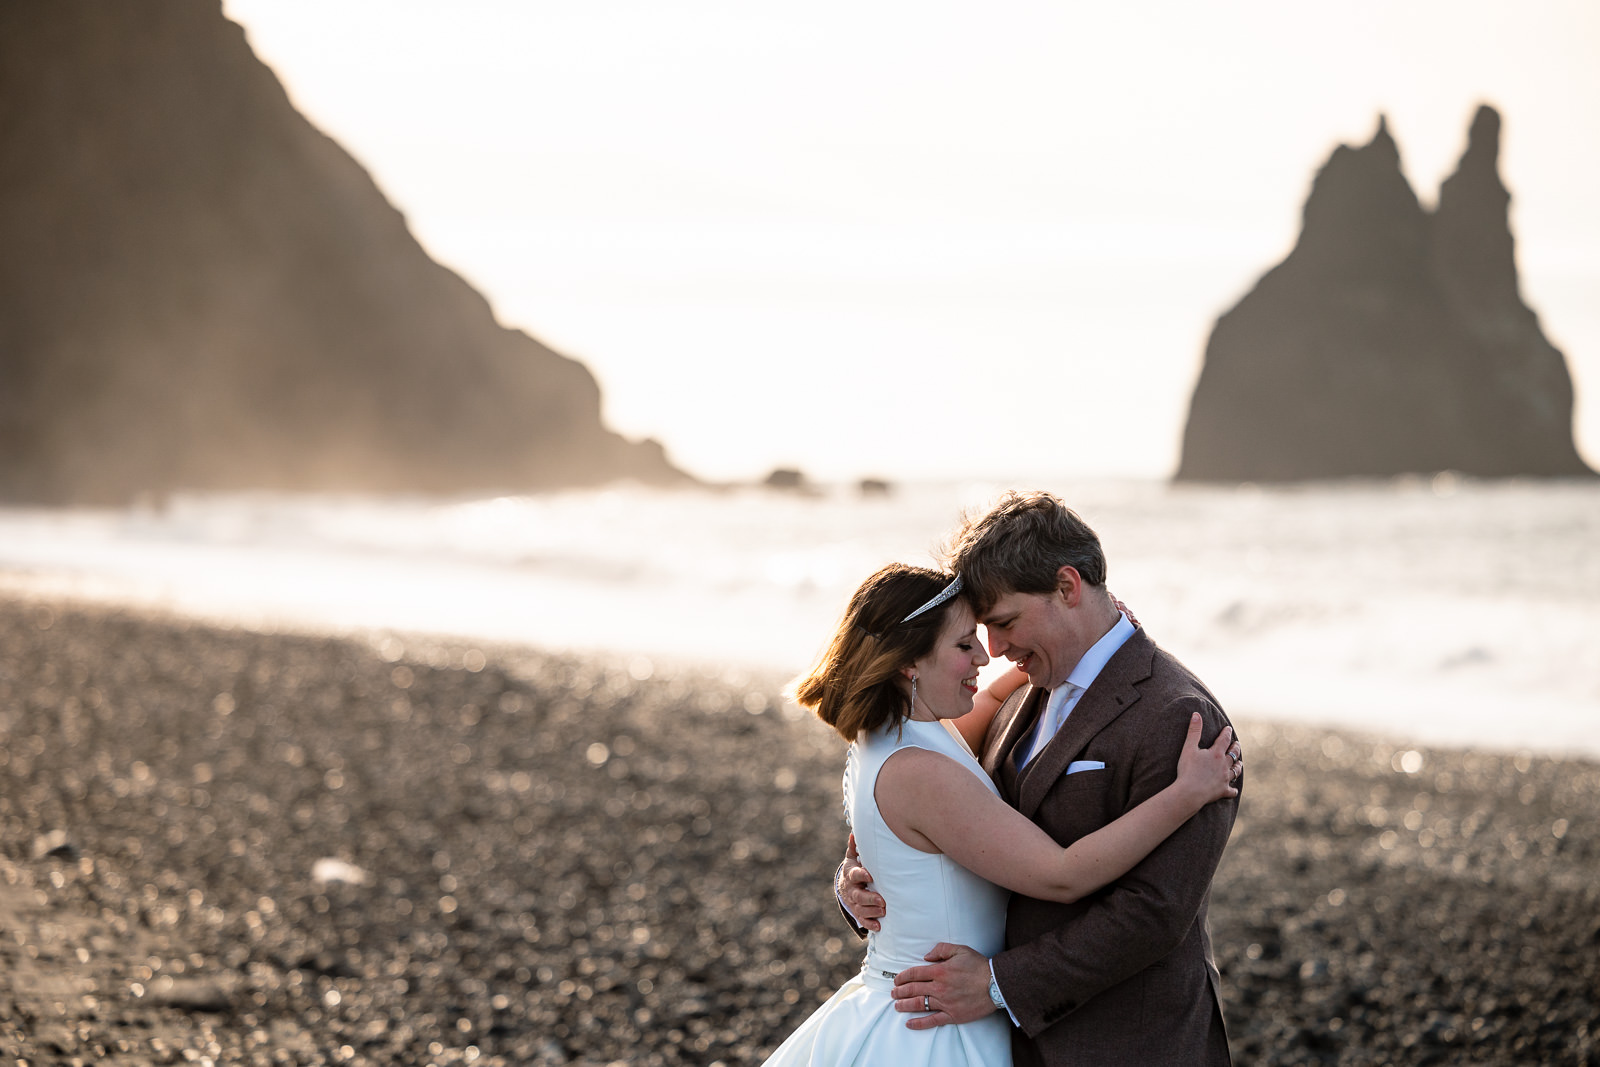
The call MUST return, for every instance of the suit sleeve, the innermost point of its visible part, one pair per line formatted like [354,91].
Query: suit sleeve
[1142,916]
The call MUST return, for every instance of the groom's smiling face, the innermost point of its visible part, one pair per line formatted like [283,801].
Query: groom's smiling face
[1034,631]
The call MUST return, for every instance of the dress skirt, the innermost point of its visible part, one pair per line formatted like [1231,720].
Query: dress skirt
[859,1026]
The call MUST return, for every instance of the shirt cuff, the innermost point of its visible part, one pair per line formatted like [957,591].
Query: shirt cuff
[994,983]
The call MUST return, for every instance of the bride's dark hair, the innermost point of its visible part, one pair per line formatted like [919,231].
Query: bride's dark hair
[855,685]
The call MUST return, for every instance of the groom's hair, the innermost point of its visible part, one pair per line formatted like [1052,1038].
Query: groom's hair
[1018,546]
[856,685]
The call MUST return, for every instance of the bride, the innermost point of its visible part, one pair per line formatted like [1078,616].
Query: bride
[945,850]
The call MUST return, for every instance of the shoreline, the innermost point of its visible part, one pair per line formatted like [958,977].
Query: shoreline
[552,860]
[1260,603]
[52,597]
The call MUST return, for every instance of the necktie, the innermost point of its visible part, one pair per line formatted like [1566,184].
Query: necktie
[1055,712]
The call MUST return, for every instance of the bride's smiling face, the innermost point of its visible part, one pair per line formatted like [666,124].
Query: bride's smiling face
[947,677]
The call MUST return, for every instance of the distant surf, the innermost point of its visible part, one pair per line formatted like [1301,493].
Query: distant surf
[1444,611]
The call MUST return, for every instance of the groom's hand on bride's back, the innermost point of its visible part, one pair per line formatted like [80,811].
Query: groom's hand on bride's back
[865,906]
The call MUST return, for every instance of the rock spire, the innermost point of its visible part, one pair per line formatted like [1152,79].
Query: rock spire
[1390,340]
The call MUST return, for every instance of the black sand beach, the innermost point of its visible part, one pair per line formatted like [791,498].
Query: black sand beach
[555,860]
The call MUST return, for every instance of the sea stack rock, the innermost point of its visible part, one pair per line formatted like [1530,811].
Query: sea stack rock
[198,290]
[1391,340]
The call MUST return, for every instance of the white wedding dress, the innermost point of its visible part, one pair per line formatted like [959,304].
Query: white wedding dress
[930,898]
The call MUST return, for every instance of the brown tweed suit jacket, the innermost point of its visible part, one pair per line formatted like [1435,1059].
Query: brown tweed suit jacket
[1126,975]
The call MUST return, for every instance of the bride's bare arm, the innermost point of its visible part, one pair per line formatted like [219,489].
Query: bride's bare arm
[934,804]
[974,725]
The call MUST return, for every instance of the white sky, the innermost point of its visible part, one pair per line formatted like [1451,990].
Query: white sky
[923,239]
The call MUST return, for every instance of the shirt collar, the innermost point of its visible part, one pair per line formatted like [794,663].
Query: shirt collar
[1100,653]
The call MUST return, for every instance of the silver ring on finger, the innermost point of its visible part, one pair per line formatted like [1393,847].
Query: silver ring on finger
[925,1006]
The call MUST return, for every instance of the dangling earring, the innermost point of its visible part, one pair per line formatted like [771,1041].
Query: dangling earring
[913,696]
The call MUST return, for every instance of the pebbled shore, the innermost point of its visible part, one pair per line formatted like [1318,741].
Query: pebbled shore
[556,860]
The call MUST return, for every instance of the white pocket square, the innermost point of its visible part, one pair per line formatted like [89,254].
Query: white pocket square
[1085,765]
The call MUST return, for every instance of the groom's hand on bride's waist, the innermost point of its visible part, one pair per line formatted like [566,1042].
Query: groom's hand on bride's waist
[955,983]
[851,883]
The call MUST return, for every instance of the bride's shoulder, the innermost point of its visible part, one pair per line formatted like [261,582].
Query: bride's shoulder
[927,774]
[920,756]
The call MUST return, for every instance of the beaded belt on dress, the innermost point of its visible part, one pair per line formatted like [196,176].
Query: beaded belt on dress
[877,978]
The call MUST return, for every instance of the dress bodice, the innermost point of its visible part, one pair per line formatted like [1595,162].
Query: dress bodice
[929,897]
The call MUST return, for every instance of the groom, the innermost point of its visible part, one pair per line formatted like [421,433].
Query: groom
[1124,976]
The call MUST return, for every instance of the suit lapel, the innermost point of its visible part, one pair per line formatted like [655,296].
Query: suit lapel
[1013,719]
[1113,692]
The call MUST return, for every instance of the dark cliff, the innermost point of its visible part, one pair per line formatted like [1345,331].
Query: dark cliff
[198,290]
[1391,340]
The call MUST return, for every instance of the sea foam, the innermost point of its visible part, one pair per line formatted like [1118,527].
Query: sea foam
[1442,610]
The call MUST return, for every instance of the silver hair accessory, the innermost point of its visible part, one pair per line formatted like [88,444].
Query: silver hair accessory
[944,594]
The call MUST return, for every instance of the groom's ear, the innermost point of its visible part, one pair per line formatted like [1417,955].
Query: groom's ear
[1069,585]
